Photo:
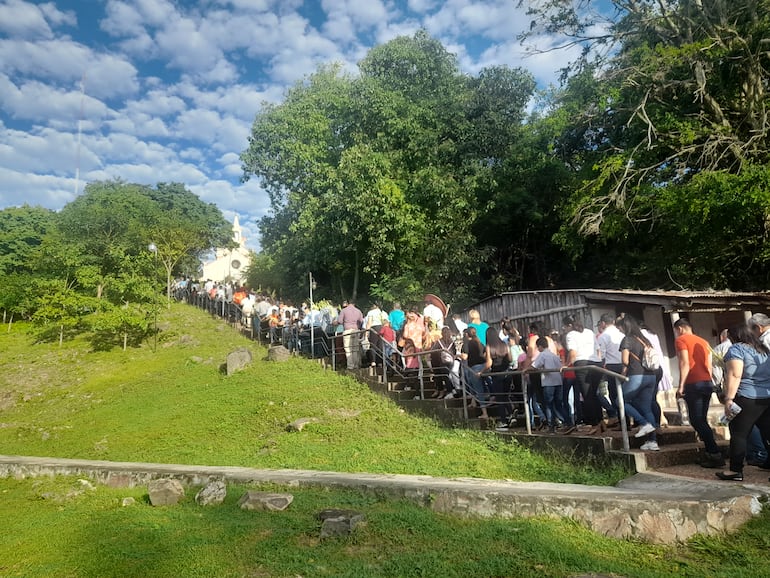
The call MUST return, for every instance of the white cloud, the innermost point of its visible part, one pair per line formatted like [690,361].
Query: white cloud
[499,20]
[421,6]
[29,188]
[65,61]
[20,19]
[41,150]
[182,43]
[361,14]
[172,87]
[155,12]
[346,19]
[156,102]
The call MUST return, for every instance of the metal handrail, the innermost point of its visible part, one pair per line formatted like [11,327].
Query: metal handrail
[204,301]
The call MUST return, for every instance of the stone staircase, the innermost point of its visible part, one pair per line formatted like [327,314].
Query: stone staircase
[678,443]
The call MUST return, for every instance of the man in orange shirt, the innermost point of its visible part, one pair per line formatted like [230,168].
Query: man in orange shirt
[694,355]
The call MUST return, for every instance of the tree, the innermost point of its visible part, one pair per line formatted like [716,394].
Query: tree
[60,310]
[108,223]
[22,230]
[113,223]
[372,178]
[182,207]
[681,91]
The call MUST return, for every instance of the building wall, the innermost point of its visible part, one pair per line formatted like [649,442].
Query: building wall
[222,268]
[229,265]
[546,307]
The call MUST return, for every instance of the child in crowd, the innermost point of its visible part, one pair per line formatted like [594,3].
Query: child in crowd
[388,337]
[551,383]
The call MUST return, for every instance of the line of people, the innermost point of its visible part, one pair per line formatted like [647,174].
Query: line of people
[568,395]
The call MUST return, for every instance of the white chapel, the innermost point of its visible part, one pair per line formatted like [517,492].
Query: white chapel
[229,264]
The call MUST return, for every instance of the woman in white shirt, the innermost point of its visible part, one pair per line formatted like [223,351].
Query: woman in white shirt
[583,352]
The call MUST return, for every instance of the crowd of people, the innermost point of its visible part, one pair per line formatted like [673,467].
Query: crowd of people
[571,375]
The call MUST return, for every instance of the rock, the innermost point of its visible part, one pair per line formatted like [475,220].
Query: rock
[278,353]
[86,484]
[196,359]
[265,501]
[336,522]
[299,424]
[212,495]
[127,502]
[238,360]
[165,492]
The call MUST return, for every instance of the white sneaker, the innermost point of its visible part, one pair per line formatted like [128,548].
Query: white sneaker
[650,446]
[647,428]
[450,395]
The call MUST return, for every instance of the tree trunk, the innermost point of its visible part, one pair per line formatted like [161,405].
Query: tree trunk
[354,296]
[168,288]
[10,322]
[61,335]
[125,341]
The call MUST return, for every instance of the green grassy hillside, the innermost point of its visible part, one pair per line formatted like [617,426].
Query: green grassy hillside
[175,406]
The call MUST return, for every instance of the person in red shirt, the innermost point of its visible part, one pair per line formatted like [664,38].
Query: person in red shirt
[694,355]
[387,338]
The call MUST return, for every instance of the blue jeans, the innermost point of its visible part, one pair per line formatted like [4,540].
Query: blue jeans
[476,383]
[572,413]
[698,398]
[638,394]
[552,395]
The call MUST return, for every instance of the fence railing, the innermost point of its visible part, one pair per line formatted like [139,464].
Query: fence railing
[315,342]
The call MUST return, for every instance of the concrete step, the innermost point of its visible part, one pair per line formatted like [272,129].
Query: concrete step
[674,454]
[675,418]
[671,435]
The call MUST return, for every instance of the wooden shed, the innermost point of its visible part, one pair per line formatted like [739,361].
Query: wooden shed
[708,311]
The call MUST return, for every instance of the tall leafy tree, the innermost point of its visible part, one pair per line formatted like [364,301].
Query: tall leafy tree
[22,230]
[668,92]
[108,223]
[378,177]
[184,229]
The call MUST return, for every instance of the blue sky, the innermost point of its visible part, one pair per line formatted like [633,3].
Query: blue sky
[170,89]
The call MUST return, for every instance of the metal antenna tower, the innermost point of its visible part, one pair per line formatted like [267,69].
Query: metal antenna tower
[80,130]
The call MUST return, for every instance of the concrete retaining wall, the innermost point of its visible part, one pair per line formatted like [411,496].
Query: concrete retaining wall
[650,507]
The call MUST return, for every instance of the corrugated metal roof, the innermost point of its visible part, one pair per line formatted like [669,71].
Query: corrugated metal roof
[657,293]
[684,294]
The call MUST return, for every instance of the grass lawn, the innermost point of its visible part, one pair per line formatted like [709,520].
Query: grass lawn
[175,406]
[55,527]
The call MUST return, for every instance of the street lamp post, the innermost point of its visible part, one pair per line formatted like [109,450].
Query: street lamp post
[153,248]
[312,328]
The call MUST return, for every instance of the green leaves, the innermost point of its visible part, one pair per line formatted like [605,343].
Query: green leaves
[375,179]
[93,255]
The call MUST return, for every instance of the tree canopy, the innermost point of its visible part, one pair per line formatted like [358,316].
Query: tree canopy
[378,178]
[665,107]
[90,266]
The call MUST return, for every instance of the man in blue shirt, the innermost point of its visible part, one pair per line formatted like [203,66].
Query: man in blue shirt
[397,318]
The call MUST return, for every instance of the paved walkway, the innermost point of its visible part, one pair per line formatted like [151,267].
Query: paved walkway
[651,506]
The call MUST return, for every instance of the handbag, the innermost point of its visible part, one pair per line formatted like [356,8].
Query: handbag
[717,377]
[719,391]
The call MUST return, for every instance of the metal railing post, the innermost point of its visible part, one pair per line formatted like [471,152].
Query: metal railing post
[464,390]
[420,372]
[525,396]
[622,414]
